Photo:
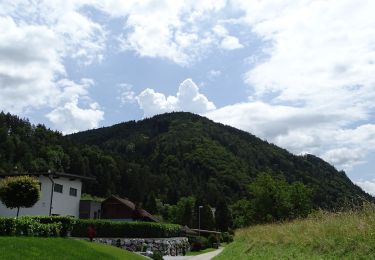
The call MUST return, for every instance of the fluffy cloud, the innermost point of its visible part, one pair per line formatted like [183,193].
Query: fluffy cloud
[35,38]
[322,53]
[172,29]
[71,118]
[79,36]
[68,116]
[29,61]
[314,91]
[302,130]
[126,94]
[188,99]
[367,185]
[228,42]
[212,74]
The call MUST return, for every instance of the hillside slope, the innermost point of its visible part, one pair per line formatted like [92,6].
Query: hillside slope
[171,156]
[347,235]
[180,154]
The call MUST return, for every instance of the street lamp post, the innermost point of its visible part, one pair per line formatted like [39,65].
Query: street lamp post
[199,220]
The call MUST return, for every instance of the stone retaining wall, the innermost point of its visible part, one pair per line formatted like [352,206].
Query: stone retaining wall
[166,246]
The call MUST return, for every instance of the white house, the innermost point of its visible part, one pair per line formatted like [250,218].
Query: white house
[60,194]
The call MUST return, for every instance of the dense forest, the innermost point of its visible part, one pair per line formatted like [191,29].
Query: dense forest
[170,156]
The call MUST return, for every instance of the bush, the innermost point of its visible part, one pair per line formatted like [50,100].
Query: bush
[212,239]
[107,228]
[226,237]
[27,226]
[157,256]
[66,223]
[7,226]
[198,243]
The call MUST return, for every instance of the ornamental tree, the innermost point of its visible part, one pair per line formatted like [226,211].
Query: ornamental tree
[19,192]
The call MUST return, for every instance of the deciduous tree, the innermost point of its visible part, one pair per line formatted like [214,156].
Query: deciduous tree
[19,192]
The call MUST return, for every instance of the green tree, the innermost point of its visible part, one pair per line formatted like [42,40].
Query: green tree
[223,216]
[185,211]
[205,213]
[19,192]
[150,203]
[300,196]
[275,199]
[243,213]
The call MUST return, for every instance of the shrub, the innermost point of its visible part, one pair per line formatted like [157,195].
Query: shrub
[212,239]
[226,237]
[27,226]
[198,243]
[157,256]
[107,228]
[7,226]
[66,223]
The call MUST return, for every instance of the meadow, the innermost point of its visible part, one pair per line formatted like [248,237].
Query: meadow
[344,235]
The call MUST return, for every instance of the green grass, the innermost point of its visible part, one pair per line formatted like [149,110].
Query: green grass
[349,235]
[193,253]
[59,248]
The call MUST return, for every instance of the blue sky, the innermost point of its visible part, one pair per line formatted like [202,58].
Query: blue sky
[296,73]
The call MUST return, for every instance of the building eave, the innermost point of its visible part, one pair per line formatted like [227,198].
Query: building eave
[52,174]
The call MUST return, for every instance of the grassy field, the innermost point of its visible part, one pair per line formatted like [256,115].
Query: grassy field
[349,235]
[59,248]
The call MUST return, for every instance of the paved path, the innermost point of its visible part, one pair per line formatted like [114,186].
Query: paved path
[206,256]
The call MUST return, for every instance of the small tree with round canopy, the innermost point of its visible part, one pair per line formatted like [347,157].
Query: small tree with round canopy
[19,192]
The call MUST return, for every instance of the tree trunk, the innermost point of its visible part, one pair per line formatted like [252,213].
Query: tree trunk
[18,211]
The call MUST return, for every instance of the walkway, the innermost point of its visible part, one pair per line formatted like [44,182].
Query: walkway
[206,256]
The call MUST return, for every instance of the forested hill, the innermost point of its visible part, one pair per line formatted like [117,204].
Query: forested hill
[181,154]
[171,155]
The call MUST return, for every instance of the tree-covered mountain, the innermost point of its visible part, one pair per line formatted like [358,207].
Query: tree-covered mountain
[171,156]
[182,154]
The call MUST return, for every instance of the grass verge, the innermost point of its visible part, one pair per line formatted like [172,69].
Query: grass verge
[348,235]
[59,248]
[207,250]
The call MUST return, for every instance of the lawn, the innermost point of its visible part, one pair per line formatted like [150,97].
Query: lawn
[349,235]
[59,248]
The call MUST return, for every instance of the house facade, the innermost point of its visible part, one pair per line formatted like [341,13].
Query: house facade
[60,195]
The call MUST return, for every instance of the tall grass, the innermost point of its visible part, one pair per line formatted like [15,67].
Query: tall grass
[344,235]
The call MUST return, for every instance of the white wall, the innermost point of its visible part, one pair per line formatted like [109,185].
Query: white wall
[62,204]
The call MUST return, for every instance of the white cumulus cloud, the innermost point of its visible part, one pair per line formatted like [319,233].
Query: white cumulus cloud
[188,98]
[314,90]
[367,185]
[68,115]
[35,39]
[227,42]
[29,62]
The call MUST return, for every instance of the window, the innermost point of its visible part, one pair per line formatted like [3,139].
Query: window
[58,188]
[73,192]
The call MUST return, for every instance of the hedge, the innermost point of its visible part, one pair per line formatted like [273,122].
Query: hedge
[62,226]
[67,223]
[27,226]
[107,228]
